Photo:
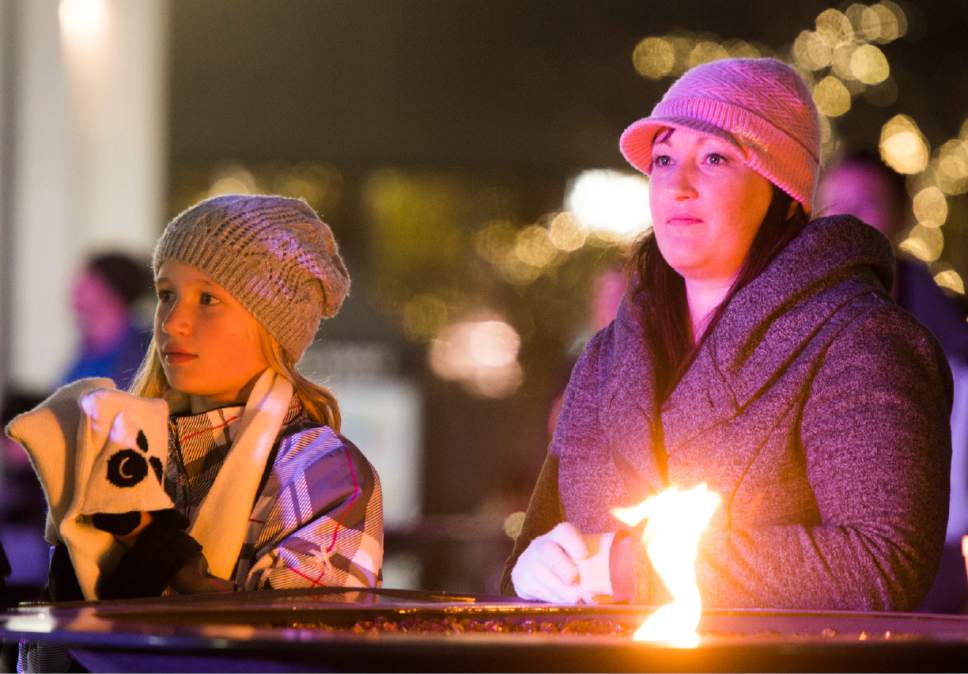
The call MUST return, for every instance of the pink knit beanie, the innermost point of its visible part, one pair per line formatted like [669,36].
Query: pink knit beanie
[760,104]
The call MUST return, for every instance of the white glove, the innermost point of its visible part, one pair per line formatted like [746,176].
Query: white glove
[564,566]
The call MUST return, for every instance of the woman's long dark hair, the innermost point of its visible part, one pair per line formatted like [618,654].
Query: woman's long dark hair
[660,292]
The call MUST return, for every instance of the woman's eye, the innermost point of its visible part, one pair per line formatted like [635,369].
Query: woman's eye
[208,299]
[164,295]
[716,159]
[661,160]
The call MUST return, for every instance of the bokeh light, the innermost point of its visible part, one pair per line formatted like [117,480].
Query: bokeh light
[840,61]
[834,27]
[610,203]
[534,248]
[481,355]
[654,57]
[565,233]
[902,145]
[706,51]
[880,24]
[233,179]
[930,207]
[495,240]
[831,97]
[513,271]
[869,65]
[952,167]
[423,316]
[742,49]
[894,23]
[951,280]
[924,243]
[513,524]
[810,51]
[683,45]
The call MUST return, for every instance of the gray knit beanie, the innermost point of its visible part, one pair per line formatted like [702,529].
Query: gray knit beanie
[273,254]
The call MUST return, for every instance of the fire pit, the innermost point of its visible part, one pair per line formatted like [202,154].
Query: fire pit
[384,630]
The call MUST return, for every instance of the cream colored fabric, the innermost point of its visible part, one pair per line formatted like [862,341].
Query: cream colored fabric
[131,437]
[73,435]
[223,518]
[45,433]
[70,438]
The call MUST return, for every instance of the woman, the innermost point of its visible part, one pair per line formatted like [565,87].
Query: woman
[759,353]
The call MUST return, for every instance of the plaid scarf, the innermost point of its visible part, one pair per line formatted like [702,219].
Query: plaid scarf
[318,517]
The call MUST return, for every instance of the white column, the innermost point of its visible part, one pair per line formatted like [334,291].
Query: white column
[7,37]
[90,160]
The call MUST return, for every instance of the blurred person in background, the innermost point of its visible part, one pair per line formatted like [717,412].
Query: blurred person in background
[863,186]
[104,297]
[608,289]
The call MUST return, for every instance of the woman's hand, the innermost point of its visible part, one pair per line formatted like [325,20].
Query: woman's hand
[549,568]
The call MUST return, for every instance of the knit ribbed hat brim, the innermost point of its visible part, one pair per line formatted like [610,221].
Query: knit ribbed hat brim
[761,105]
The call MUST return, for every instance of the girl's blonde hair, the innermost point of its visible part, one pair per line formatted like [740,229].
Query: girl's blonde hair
[318,402]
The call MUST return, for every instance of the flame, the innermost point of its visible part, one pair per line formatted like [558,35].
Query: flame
[676,520]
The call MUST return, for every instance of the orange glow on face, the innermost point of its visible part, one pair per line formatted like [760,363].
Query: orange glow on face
[676,520]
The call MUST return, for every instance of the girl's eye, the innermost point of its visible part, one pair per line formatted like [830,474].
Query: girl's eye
[661,160]
[164,295]
[208,299]
[716,159]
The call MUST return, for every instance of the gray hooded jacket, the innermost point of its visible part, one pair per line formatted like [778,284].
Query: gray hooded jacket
[817,408]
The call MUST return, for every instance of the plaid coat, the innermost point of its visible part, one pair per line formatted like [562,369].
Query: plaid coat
[318,516]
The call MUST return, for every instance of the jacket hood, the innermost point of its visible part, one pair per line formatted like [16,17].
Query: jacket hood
[833,260]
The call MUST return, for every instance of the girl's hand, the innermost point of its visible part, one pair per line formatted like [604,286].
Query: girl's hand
[548,569]
[194,578]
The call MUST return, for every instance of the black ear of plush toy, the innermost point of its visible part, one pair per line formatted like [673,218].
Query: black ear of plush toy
[119,524]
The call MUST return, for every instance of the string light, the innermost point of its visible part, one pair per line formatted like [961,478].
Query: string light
[951,280]
[902,145]
[930,207]
[654,57]
[869,65]
[831,97]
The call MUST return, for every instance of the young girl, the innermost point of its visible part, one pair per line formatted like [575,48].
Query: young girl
[266,492]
